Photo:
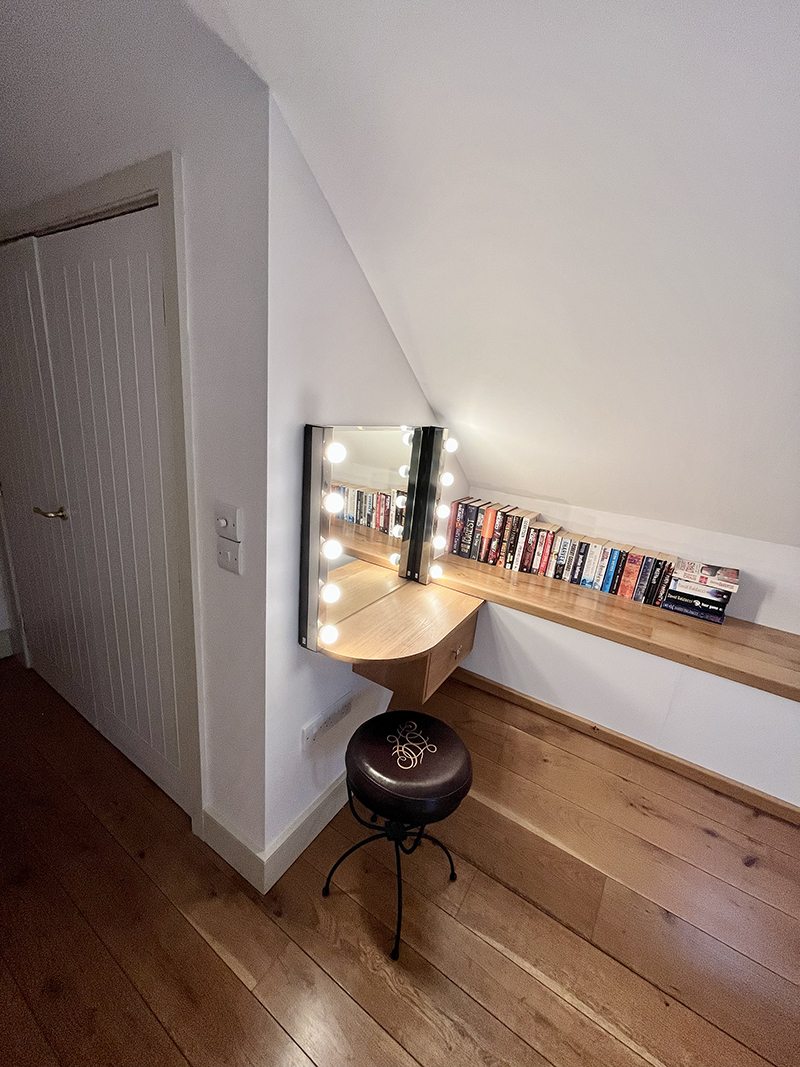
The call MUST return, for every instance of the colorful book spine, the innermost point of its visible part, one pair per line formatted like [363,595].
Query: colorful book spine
[555,549]
[458,530]
[547,548]
[467,534]
[622,561]
[561,561]
[644,578]
[666,577]
[592,562]
[522,540]
[655,581]
[509,539]
[611,568]
[569,562]
[487,532]
[630,575]
[538,554]
[474,552]
[602,566]
[497,537]
[695,613]
[580,562]
[530,550]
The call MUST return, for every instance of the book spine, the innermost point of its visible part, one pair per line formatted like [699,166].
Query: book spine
[713,607]
[476,537]
[630,575]
[611,570]
[538,552]
[522,540]
[563,552]
[530,550]
[470,515]
[547,547]
[695,613]
[590,567]
[458,529]
[487,533]
[619,570]
[506,557]
[580,562]
[666,577]
[644,578]
[497,538]
[569,562]
[655,581]
[555,548]
[602,565]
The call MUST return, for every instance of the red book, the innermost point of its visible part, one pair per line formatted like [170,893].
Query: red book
[530,549]
[487,530]
[451,524]
[548,544]
[497,534]
[630,574]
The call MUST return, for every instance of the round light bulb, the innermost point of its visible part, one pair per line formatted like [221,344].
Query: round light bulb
[397,531]
[439,541]
[450,444]
[330,593]
[447,478]
[408,437]
[394,559]
[334,502]
[436,571]
[405,427]
[443,511]
[328,634]
[404,471]
[400,500]
[331,550]
[336,451]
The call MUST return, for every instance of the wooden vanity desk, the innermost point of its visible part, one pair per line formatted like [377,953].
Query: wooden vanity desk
[404,636]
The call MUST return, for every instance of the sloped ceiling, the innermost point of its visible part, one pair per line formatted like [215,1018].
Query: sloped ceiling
[581,221]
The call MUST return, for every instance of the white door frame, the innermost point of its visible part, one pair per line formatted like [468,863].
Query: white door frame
[155,181]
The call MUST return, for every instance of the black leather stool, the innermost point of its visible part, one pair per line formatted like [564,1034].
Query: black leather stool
[409,769]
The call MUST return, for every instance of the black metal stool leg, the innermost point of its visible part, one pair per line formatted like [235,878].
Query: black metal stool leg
[395,953]
[327,888]
[436,841]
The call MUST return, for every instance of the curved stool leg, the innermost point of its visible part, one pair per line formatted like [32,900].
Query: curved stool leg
[395,953]
[436,841]
[327,887]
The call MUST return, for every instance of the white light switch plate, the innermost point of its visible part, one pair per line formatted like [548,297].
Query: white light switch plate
[228,522]
[229,555]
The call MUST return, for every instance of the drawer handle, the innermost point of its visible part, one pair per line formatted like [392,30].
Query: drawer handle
[457,651]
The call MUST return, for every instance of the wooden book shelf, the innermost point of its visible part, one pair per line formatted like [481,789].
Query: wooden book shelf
[745,652]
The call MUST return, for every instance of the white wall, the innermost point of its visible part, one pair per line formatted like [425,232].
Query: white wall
[91,86]
[332,359]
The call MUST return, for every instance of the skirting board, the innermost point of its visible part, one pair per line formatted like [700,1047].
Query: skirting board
[746,794]
[262,869]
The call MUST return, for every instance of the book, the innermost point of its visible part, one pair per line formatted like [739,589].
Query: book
[695,613]
[619,570]
[643,580]
[569,562]
[701,592]
[555,548]
[510,532]
[470,518]
[580,561]
[487,531]
[596,547]
[458,529]
[602,564]
[655,581]
[451,522]
[709,574]
[666,577]
[522,539]
[547,549]
[476,539]
[633,565]
[497,534]
[563,552]
[531,542]
[675,596]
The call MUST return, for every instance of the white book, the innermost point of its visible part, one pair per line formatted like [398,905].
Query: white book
[551,566]
[602,563]
[590,566]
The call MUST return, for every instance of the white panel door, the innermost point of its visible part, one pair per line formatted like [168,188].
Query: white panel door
[113,406]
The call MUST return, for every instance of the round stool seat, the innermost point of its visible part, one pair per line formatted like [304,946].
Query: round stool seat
[408,767]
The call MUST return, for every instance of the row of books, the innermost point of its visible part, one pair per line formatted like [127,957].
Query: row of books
[519,540]
[375,508]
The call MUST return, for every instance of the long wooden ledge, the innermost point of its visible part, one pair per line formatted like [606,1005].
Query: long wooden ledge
[745,652]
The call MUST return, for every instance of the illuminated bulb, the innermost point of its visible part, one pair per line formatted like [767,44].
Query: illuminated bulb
[447,478]
[408,438]
[334,502]
[331,593]
[331,550]
[328,634]
[336,451]
[443,511]
[394,559]
[439,541]
[436,571]
[405,427]
[450,444]
[397,531]
[404,471]
[400,500]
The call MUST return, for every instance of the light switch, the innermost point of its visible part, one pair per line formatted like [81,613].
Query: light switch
[228,522]
[229,555]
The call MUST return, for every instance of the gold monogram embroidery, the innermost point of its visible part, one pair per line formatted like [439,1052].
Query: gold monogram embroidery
[409,746]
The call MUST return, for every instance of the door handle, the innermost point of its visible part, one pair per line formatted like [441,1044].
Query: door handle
[60,514]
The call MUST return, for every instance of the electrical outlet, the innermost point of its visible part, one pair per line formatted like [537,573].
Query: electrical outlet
[329,718]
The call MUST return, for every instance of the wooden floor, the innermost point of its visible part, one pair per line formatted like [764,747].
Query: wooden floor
[125,941]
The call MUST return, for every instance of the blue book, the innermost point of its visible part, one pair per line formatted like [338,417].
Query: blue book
[612,566]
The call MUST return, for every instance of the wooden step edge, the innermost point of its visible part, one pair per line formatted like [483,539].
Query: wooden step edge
[719,783]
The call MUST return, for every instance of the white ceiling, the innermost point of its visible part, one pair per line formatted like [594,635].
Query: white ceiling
[581,221]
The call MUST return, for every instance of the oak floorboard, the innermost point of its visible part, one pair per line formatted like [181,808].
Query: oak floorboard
[747,819]
[210,1015]
[664,1029]
[758,930]
[765,873]
[754,1005]
[22,1043]
[529,1008]
[84,1004]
